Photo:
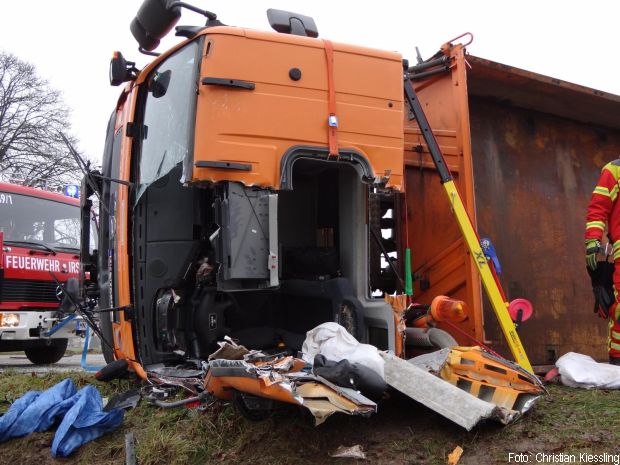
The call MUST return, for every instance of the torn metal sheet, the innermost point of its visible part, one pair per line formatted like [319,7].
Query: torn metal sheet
[438,395]
[125,400]
[432,362]
[189,384]
[357,397]
[229,350]
[323,401]
[269,379]
[225,367]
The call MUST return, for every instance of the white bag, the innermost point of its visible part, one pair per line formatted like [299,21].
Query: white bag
[581,371]
[335,343]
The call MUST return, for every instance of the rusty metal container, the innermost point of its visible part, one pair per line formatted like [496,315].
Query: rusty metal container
[526,151]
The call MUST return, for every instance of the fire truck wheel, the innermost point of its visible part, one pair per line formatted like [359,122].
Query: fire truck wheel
[46,354]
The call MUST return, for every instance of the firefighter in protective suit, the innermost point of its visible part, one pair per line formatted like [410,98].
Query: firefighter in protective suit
[604,212]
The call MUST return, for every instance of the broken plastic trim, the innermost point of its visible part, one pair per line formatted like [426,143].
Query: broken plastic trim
[298,152]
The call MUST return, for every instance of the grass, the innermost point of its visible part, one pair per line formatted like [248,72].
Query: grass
[403,432]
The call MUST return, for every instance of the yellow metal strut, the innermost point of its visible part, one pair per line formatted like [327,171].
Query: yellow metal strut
[500,306]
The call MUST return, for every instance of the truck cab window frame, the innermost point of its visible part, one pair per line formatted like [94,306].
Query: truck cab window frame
[167,115]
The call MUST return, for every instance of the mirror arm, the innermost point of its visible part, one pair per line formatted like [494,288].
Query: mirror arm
[146,52]
[208,14]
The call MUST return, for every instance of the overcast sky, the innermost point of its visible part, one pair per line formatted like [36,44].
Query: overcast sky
[71,41]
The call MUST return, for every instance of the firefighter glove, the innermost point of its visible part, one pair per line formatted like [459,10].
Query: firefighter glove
[602,301]
[592,248]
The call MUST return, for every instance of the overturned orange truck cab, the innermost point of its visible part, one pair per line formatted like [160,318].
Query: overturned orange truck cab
[252,188]
[246,168]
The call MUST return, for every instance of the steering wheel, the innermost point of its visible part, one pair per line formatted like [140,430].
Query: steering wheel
[66,240]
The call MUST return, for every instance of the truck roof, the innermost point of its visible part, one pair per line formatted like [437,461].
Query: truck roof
[34,192]
[534,91]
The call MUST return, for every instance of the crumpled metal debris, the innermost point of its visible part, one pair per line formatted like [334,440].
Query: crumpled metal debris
[125,400]
[465,385]
[176,372]
[283,378]
[229,350]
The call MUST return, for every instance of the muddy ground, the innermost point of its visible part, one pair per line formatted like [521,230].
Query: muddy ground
[568,421]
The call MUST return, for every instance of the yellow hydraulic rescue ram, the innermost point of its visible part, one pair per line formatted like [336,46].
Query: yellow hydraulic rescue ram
[469,233]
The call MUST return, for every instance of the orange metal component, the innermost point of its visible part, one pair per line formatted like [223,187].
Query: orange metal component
[222,387]
[442,259]
[122,332]
[399,305]
[445,48]
[473,363]
[257,127]
[526,123]
[470,369]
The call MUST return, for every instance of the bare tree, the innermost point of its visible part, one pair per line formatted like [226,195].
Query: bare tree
[31,115]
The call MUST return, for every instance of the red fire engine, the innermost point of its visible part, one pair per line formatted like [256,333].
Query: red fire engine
[39,251]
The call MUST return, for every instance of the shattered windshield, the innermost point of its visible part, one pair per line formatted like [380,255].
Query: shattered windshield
[35,220]
[169,109]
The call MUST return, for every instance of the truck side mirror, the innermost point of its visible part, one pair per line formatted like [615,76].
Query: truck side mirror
[154,20]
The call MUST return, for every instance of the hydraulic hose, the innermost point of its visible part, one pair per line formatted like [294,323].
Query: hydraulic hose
[431,337]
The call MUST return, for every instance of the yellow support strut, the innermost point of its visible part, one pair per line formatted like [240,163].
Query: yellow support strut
[495,296]
[469,233]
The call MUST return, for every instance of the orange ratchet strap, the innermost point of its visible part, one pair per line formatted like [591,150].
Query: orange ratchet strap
[332,119]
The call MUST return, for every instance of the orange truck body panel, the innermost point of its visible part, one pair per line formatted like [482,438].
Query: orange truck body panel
[525,151]
[122,331]
[439,254]
[257,127]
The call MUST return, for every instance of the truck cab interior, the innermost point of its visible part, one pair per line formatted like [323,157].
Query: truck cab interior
[202,266]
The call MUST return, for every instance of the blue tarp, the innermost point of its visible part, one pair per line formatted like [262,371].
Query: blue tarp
[7,420]
[42,411]
[84,422]
[82,415]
